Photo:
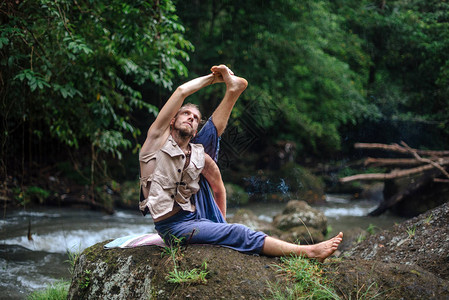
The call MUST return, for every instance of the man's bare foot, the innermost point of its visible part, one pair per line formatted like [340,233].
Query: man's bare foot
[324,249]
[233,83]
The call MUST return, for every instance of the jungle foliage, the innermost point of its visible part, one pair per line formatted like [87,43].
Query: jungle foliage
[337,71]
[76,77]
[71,70]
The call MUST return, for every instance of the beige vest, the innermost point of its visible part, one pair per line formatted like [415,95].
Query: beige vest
[170,183]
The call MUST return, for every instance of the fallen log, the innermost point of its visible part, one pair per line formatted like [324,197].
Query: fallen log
[397,148]
[419,178]
[393,174]
[392,161]
[425,160]
[437,161]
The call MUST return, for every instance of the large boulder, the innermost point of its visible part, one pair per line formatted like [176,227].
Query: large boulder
[287,226]
[428,196]
[411,261]
[301,222]
[141,273]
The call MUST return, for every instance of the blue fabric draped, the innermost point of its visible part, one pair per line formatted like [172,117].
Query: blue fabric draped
[204,199]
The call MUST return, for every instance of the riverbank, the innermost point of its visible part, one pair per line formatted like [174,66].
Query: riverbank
[31,265]
[407,262]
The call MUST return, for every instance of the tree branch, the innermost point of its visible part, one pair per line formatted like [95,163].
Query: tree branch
[392,174]
[391,161]
[426,160]
[397,148]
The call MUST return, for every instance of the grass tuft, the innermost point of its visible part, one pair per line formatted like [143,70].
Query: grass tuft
[56,291]
[307,280]
[194,276]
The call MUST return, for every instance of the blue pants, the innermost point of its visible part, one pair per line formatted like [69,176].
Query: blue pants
[234,236]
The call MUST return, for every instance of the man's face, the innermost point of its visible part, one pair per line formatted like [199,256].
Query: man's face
[187,121]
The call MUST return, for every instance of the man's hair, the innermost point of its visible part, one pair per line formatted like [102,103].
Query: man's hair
[191,105]
[188,105]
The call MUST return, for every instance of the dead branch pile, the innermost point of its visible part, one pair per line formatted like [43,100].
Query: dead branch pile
[425,166]
[433,159]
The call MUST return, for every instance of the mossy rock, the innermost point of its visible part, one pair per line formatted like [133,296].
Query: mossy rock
[141,273]
[303,235]
[299,214]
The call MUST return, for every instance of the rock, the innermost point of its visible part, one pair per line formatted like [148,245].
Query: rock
[427,197]
[298,214]
[421,241]
[302,235]
[411,261]
[140,273]
[361,279]
[249,219]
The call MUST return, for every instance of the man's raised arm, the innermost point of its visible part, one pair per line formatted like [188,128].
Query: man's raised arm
[160,129]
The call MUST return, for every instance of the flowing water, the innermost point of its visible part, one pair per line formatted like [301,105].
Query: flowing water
[28,265]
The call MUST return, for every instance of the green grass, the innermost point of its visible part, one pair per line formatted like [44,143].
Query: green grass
[306,278]
[411,231]
[178,276]
[370,231]
[73,256]
[428,219]
[60,289]
[189,276]
[57,291]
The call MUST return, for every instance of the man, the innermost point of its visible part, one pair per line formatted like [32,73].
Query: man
[170,172]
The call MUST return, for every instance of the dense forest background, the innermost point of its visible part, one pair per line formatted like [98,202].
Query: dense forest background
[81,81]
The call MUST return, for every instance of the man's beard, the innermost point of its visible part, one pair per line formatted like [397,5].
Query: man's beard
[184,133]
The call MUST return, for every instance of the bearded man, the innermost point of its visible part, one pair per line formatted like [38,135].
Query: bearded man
[171,166]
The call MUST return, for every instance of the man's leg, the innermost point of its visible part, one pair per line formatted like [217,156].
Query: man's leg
[241,238]
[275,247]
[234,88]
[208,136]
[203,231]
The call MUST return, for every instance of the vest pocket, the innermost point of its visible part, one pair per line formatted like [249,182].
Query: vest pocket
[193,172]
[164,181]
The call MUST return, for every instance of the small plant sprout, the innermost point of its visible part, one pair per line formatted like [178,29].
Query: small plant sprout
[428,219]
[360,238]
[73,255]
[371,229]
[411,231]
[85,280]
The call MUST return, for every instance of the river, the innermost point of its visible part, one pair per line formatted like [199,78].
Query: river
[28,265]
